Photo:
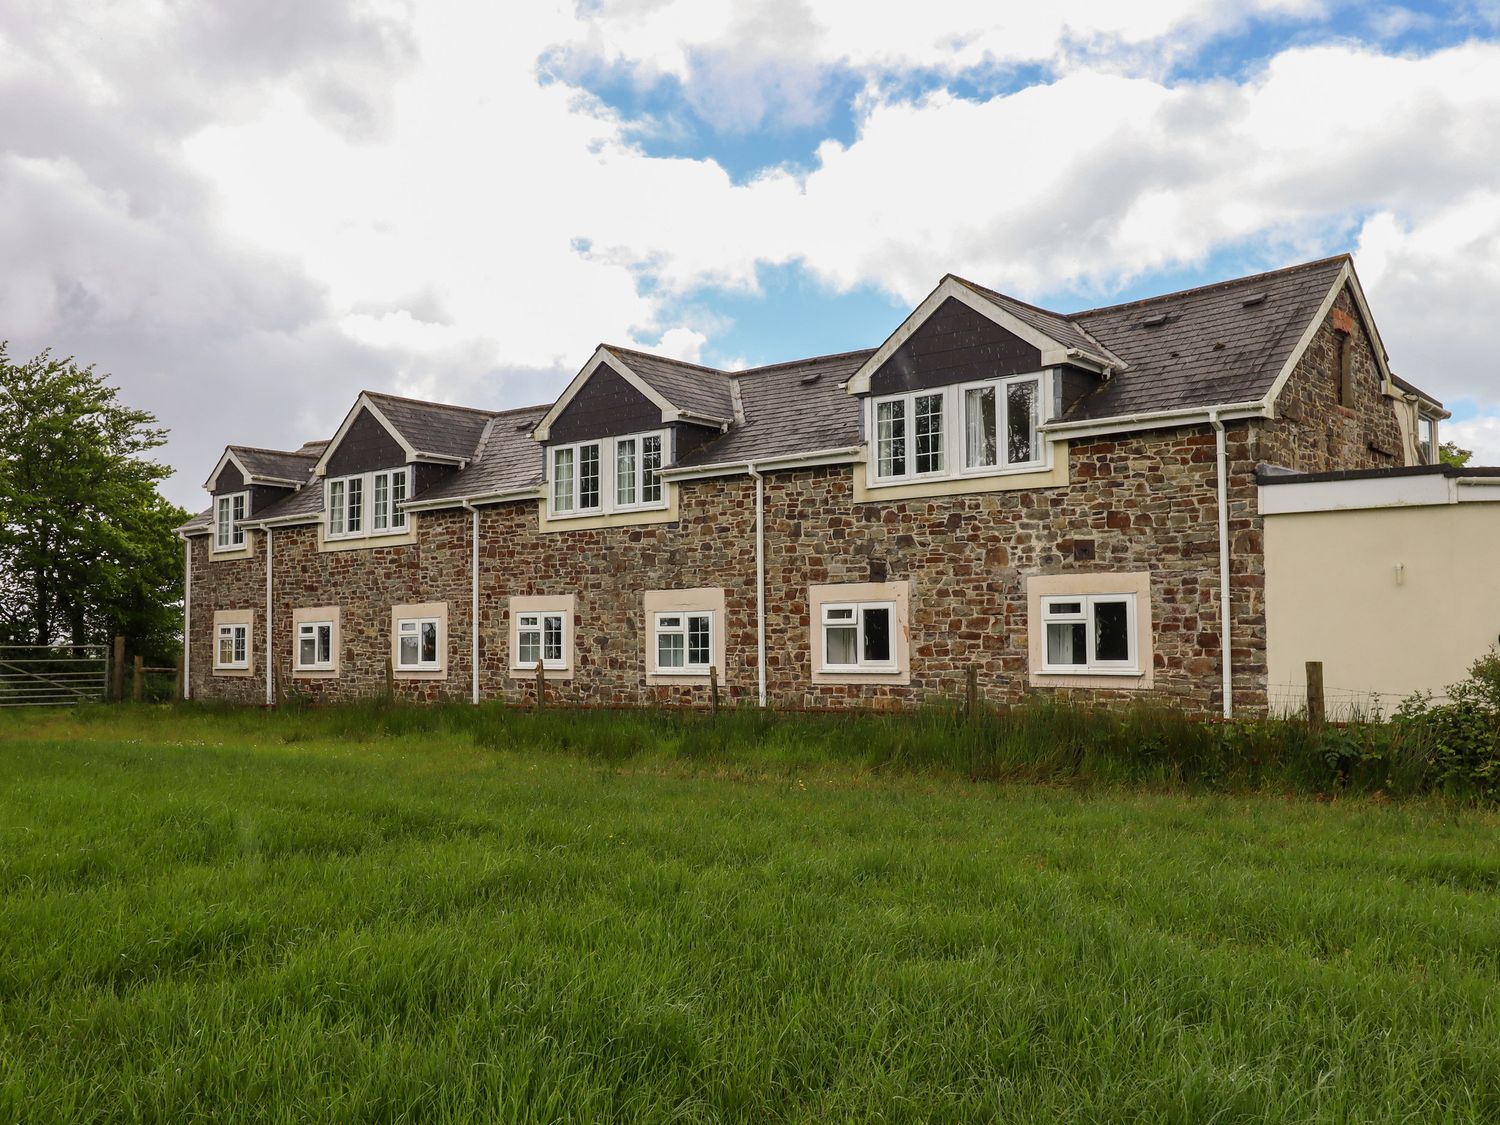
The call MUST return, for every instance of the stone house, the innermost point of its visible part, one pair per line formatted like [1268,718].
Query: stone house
[1062,502]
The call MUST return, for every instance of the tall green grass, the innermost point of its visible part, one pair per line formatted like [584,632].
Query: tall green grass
[388,916]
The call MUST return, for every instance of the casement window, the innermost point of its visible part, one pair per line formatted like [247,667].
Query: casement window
[232,648]
[315,645]
[1427,439]
[366,504]
[859,637]
[541,637]
[684,643]
[608,475]
[418,644]
[1093,634]
[229,510]
[997,421]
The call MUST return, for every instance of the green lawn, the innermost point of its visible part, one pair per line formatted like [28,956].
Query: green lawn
[237,918]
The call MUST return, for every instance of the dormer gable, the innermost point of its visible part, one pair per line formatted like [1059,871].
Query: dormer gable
[621,391]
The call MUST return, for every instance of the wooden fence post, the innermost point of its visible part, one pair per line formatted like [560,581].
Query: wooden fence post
[713,688]
[1316,709]
[177,678]
[541,686]
[138,679]
[390,681]
[971,691]
[117,671]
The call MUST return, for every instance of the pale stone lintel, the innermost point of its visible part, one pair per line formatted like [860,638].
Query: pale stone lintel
[1055,477]
[645,517]
[898,592]
[1089,582]
[420,609]
[244,617]
[565,604]
[316,613]
[703,599]
[369,542]
[246,552]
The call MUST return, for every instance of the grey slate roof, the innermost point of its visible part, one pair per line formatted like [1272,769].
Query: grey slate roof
[1058,327]
[203,521]
[508,459]
[688,386]
[278,464]
[1212,348]
[434,427]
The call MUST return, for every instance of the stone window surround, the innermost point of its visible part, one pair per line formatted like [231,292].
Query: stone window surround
[567,605]
[829,593]
[317,613]
[702,599]
[1039,586]
[401,613]
[245,617]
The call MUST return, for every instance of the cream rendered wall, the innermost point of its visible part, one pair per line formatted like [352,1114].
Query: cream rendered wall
[1391,600]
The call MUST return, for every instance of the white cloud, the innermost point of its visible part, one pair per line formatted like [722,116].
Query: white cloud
[1480,435]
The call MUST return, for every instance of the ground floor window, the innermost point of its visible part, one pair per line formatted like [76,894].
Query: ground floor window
[860,632]
[1090,633]
[233,649]
[859,636]
[315,645]
[539,639]
[684,642]
[417,644]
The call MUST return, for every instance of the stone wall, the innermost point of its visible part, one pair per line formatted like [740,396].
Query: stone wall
[226,584]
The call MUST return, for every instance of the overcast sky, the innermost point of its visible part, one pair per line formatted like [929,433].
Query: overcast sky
[247,212]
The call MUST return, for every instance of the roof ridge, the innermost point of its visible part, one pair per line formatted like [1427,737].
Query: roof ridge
[1008,297]
[278,452]
[798,362]
[668,359]
[1225,284]
[428,402]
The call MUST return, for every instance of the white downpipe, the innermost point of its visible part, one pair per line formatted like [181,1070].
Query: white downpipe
[760,578]
[270,663]
[187,621]
[1221,462]
[474,602]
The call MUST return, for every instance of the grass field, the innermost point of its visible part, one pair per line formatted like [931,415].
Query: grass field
[244,917]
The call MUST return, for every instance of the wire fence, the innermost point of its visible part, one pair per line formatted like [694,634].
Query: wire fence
[1341,704]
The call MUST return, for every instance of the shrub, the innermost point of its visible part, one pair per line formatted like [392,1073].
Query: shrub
[1460,739]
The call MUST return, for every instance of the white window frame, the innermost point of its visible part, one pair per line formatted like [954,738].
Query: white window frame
[677,622]
[535,621]
[609,451]
[416,623]
[238,635]
[229,510]
[955,431]
[860,665]
[309,630]
[395,483]
[1052,612]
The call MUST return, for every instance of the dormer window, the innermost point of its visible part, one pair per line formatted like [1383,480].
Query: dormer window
[229,510]
[608,475]
[1427,439]
[366,504]
[997,418]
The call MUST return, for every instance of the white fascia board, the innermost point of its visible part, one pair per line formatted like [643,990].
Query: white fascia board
[532,493]
[283,521]
[603,356]
[227,457]
[859,382]
[362,403]
[1154,420]
[1426,490]
[843,456]
[1478,490]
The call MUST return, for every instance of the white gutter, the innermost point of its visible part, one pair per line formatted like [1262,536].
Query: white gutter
[760,578]
[474,603]
[1222,472]
[187,621]
[809,460]
[534,492]
[270,663]
[1153,419]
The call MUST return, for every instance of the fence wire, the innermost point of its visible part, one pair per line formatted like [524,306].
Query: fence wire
[1341,704]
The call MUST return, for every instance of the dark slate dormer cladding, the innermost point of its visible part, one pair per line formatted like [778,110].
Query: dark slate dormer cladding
[365,447]
[230,479]
[605,406]
[954,345]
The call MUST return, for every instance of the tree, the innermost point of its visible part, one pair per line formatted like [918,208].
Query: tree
[1450,454]
[86,542]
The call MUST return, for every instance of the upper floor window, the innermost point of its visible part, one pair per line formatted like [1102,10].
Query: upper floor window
[997,421]
[367,504]
[1427,439]
[228,512]
[608,475]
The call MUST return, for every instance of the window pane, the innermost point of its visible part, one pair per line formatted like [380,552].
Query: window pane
[625,471]
[336,507]
[651,470]
[1060,608]
[877,635]
[226,646]
[552,641]
[354,516]
[890,439]
[382,514]
[1020,422]
[398,494]
[839,644]
[669,650]
[698,646]
[838,613]
[236,532]
[224,525]
[1066,643]
[929,433]
[307,650]
[588,476]
[981,429]
[672,622]
[239,644]
[407,654]
[429,642]
[528,646]
[562,480]
[1111,631]
[325,644]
